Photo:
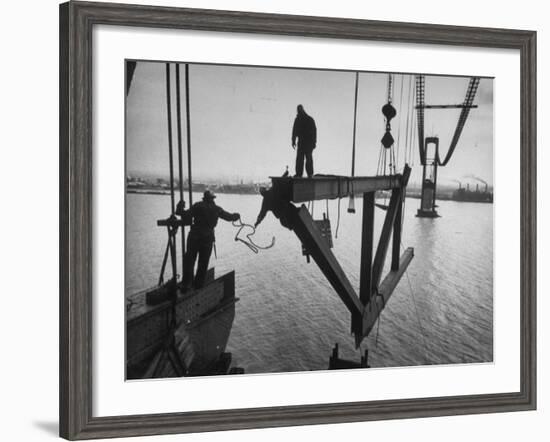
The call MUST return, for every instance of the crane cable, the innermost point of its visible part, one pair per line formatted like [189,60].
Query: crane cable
[387,142]
[354,124]
[400,122]
[417,314]
[351,207]
[338,219]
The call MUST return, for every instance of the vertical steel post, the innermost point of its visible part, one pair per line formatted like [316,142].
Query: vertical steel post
[397,225]
[365,285]
[384,241]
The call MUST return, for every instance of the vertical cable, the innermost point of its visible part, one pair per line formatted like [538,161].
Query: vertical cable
[178,111]
[171,158]
[408,104]
[400,122]
[189,175]
[354,124]
[180,159]
[170,154]
[351,207]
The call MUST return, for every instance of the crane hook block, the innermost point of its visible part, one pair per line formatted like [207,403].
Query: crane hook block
[389,112]
[387,140]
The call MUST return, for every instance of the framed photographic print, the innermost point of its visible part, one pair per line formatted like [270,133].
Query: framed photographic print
[271,220]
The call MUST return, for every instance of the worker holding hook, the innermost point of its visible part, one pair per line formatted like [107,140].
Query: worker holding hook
[203,217]
[283,210]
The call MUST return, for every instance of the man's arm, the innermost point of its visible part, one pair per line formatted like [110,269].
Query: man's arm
[314,132]
[186,215]
[180,209]
[294,132]
[228,216]
[263,212]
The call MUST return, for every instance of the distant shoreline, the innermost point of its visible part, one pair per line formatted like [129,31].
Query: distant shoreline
[378,196]
[167,192]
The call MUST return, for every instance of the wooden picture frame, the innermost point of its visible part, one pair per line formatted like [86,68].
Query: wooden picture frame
[76,22]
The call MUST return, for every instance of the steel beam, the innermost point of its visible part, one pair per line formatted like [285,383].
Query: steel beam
[374,308]
[390,223]
[373,297]
[317,246]
[397,227]
[300,190]
[367,239]
[384,241]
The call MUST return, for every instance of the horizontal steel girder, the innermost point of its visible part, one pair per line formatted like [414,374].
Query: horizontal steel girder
[300,190]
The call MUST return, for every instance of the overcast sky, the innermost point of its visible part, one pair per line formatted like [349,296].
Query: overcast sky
[241,121]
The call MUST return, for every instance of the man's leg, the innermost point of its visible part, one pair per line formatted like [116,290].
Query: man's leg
[205,250]
[299,161]
[189,261]
[309,162]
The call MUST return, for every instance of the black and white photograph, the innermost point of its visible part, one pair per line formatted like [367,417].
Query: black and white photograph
[260,221]
[281,219]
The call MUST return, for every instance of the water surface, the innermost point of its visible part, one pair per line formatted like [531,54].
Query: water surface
[289,318]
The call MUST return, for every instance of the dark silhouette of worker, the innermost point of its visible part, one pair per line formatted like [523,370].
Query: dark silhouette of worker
[305,130]
[283,210]
[201,236]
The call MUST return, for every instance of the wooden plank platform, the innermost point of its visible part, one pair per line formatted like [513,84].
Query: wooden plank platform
[322,187]
[146,326]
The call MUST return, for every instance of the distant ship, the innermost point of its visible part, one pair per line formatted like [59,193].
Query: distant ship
[477,196]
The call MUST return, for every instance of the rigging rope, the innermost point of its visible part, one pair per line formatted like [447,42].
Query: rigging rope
[170,154]
[414,141]
[407,139]
[400,120]
[416,311]
[171,231]
[379,166]
[180,158]
[351,207]
[387,140]
[188,115]
[378,329]
[250,244]
[354,124]
[338,220]
[421,329]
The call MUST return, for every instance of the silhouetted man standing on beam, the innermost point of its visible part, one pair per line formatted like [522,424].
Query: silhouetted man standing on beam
[305,131]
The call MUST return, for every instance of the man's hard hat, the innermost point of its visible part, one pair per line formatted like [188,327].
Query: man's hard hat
[208,195]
